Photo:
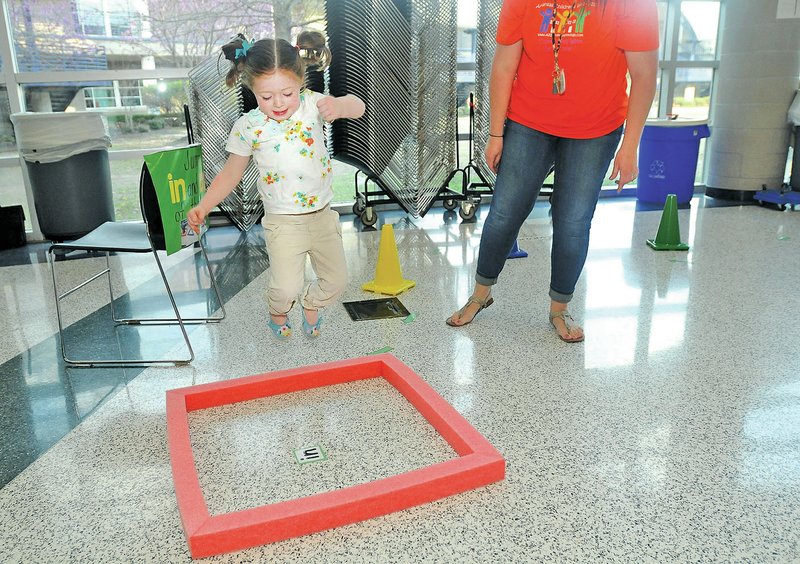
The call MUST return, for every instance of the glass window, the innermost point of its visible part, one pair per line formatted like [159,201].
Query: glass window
[96,97]
[343,183]
[692,92]
[466,45]
[122,93]
[123,19]
[141,114]
[116,18]
[65,35]
[697,37]
[89,16]
[688,60]
[12,188]
[8,143]
[662,26]
[654,106]
[125,187]
[46,37]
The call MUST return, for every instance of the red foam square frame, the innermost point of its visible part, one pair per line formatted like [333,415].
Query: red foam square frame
[478,462]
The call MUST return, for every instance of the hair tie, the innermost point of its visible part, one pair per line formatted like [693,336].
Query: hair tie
[306,52]
[242,51]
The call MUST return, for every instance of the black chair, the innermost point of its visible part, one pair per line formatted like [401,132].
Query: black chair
[132,237]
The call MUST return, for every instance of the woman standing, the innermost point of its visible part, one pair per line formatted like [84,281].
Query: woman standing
[559,97]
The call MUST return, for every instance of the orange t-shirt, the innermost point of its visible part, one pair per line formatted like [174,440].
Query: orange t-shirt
[595,37]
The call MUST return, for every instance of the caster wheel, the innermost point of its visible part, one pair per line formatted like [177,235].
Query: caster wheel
[359,206]
[369,217]
[467,211]
[450,204]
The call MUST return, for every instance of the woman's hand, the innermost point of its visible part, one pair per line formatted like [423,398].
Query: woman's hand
[625,168]
[494,148]
[196,217]
[643,68]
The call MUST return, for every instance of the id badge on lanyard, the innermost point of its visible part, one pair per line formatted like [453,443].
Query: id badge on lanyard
[559,78]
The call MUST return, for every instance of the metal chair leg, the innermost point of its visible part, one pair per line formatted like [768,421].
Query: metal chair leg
[186,320]
[117,362]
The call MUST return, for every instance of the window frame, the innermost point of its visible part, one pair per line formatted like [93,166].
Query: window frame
[669,63]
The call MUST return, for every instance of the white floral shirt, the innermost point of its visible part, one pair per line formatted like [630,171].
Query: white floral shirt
[292,160]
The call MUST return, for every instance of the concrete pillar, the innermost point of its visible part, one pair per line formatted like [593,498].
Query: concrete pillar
[40,101]
[756,82]
[149,63]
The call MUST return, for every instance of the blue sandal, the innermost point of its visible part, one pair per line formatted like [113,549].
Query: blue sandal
[312,330]
[283,331]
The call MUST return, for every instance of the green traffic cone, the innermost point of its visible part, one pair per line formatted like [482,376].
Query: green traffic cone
[668,237]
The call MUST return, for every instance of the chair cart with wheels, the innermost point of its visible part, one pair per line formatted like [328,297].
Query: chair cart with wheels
[365,202]
[469,199]
[402,63]
[779,199]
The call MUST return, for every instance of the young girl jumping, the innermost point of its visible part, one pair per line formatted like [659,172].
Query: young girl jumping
[285,137]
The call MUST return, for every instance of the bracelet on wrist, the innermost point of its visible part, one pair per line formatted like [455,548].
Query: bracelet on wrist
[490,135]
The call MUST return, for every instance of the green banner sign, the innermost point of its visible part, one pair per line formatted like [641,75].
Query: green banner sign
[178,179]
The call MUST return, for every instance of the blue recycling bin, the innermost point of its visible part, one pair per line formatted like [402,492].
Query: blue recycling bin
[668,159]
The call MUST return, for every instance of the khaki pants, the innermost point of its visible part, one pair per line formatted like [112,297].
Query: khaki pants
[289,239]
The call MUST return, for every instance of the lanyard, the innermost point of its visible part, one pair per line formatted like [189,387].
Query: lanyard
[559,79]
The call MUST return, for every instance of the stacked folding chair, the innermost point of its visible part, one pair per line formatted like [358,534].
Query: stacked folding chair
[214,108]
[399,57]
[488,15]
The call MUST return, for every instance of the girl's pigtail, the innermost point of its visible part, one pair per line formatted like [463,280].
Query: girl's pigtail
[229,50]
[312,48]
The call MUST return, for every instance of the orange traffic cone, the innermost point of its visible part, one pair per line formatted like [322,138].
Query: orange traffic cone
[388,278]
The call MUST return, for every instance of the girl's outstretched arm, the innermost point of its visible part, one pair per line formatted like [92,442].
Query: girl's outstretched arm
[222,185]
[348,106]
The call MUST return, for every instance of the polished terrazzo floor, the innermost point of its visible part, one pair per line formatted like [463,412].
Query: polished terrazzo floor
[671,434]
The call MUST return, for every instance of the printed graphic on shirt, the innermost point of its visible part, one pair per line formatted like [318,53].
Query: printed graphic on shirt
[271,177]
[568,20]
[305,200]
[326,163]
[304,134]
[256,140]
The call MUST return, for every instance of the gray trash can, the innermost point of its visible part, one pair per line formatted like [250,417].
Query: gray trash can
[67,159]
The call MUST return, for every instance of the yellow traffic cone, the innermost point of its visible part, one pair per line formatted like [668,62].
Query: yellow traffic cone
[388,278]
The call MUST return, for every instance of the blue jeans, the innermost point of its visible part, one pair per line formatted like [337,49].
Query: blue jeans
[580,165]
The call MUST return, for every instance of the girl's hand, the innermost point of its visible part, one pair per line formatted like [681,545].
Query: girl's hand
[494,148]
[196,217]
[329,108]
